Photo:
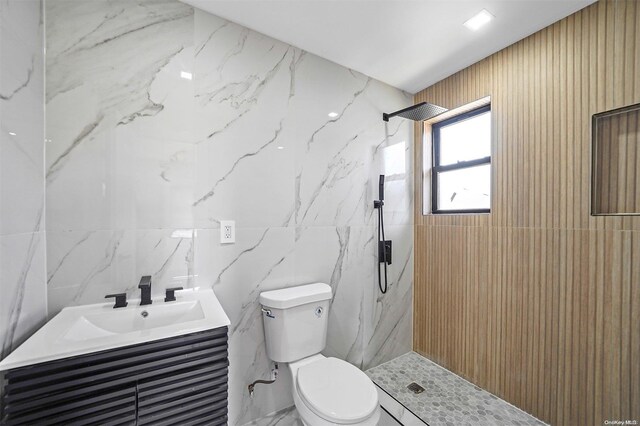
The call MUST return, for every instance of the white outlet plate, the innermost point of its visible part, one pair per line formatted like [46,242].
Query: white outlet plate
[227,231]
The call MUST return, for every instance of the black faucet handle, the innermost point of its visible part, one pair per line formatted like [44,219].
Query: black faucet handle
[170,293]
[121,299]
[145,281]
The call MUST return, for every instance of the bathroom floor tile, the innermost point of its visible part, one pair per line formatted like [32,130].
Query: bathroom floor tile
[448,399]
[398,412]
[285,417]
[289,417]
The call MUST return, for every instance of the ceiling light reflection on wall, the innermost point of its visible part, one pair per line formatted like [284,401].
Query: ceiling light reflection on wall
[478,20]
[183,233]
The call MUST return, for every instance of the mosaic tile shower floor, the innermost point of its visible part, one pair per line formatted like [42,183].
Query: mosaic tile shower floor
[448,399]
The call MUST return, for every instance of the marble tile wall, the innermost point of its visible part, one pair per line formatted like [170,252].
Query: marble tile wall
[23,298]
[142,164]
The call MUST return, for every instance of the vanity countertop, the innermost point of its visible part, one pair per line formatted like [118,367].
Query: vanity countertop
[80,330]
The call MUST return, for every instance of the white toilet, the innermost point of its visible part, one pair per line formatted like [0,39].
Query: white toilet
[326,391]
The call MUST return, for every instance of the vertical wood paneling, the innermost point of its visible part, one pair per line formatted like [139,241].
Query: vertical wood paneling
[539,302]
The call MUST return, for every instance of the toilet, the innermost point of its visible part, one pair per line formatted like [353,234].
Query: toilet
[326,391]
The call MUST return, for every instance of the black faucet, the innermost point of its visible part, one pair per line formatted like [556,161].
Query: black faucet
[121,299]
[145,287]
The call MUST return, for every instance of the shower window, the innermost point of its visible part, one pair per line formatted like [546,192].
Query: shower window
[461,163]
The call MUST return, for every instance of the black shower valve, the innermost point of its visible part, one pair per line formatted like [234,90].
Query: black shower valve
[384,251]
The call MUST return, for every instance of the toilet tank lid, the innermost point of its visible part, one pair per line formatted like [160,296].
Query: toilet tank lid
[295,296]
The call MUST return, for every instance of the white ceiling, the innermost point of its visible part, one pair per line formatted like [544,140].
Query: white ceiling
[408,44]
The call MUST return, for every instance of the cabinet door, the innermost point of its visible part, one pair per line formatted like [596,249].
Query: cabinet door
[179,380]
[64,403]
[193,396]
[193,391]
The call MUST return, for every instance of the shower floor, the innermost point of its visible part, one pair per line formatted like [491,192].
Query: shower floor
[448,399]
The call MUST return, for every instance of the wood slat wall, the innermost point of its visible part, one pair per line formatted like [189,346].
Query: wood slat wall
[539,302]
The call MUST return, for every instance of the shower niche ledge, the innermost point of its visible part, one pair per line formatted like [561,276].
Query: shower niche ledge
[164,363]
[615,162]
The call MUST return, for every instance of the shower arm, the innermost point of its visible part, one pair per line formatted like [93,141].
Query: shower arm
[387,116]
[418,112]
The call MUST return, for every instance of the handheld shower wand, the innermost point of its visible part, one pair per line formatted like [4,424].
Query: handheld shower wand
[384,246]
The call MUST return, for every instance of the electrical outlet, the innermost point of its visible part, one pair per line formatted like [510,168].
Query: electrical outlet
[227,231]
[274,372]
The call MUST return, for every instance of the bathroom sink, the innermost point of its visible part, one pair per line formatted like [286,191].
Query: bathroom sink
[83,329]
[93,325]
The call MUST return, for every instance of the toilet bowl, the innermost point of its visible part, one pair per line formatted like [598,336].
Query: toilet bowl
[329,391]
[326,391]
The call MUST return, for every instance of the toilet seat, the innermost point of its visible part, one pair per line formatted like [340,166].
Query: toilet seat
[337,391]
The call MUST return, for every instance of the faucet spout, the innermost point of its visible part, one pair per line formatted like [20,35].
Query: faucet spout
[145,290]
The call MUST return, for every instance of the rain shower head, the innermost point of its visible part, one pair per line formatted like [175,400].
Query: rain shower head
[419,112]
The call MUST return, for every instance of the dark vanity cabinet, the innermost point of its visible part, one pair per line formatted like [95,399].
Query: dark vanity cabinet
[176,381]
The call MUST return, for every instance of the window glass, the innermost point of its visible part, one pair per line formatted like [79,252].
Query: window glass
[461,163]
[465,189]
[466,140]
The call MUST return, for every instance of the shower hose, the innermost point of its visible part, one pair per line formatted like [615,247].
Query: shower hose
[382,254]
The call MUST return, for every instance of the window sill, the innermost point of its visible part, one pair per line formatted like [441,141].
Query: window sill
[458,213]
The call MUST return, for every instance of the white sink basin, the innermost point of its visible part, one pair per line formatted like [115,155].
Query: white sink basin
[95,325]
[84,329]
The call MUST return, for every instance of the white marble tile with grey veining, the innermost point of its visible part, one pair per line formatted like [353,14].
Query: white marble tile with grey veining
[23,305]
[334,255]
[336,168]
[138,152]
[21,116]
[389,321]
[244,132]
[109,126]
[84,266]
[134,183]
[394,158]
[260,260]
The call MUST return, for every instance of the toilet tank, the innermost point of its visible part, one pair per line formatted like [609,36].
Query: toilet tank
[295,321]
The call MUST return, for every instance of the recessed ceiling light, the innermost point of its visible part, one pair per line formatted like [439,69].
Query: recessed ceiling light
[479,20]
[12,133]
[186,75]
[281,147]
[333,114]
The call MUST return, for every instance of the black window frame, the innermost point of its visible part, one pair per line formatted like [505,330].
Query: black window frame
[437,168]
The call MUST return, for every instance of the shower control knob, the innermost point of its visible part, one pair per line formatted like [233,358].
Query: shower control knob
[319,311]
